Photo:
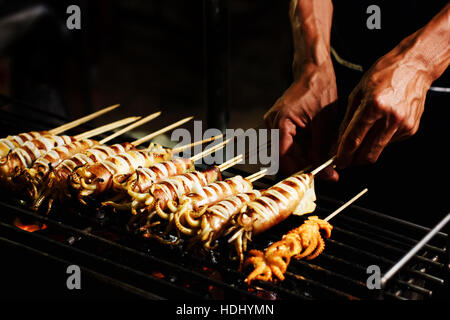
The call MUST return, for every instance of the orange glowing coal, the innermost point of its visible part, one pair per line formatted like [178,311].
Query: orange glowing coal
[28,227]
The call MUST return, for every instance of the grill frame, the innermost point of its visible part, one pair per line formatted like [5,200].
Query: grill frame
[396,241]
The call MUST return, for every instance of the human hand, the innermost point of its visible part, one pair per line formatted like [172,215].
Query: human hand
[304,114]
[386,106]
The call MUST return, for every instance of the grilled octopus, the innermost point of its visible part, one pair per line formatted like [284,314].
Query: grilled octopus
[293,195]
[303,242]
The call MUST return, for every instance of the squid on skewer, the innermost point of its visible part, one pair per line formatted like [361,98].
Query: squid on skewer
[305,241]
[293,195]
[31,178]
[56,185]
[11,142]
[217,216]
[96,180]
[133,189]
[23,157]
[164,194]
[93,180]
[193,205]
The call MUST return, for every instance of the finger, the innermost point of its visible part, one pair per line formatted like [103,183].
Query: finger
[287,134]
[376,140]
[324,131]
[354,100]
[354,134]
[328,174]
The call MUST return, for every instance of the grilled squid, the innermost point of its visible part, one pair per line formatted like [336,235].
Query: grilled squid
[303,242]
[23,157]
[165,194]
[32,177]
[293,195]
[11,142]
[132,190]
[193,205]
[56,185]
[217,216]
[96,179]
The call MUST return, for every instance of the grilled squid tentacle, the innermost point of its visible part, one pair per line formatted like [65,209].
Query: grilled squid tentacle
[305,241]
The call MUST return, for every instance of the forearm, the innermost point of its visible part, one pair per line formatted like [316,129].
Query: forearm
[311,28]
[429,47]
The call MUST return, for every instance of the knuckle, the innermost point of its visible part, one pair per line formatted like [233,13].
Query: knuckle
[353,142]
[409,127]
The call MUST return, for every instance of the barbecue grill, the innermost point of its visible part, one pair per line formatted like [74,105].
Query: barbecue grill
[116,263]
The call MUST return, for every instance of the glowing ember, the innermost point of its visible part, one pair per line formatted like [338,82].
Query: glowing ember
[28,227]
[158,275]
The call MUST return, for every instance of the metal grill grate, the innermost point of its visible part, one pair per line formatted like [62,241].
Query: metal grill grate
[107,252]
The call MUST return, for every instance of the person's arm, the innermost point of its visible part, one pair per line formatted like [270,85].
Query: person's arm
[313,89]
[388,103]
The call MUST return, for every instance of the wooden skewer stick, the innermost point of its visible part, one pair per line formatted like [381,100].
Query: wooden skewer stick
[256,176]
[228,164]
[210,150]
[82,120]
[323,166]
[179,149]
[345,205]
[131,127]
[105,128]
[161,131]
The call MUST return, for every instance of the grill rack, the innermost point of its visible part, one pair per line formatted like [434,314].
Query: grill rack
[360,238]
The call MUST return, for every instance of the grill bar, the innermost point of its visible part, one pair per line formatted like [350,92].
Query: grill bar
[412,253]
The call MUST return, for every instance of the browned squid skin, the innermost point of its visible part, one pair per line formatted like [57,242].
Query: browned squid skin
[157,190]
[159,223]
[23,157]
[292,195]
[144,178]
[97,179]
[14,141]
[193,206]
[131,190]
[31,178]
[217,216]
[56,186]
[303,242]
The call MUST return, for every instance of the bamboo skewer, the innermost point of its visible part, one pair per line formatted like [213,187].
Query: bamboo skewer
[323,166]
[130,127]
[345,205]
[105,128]
[209,151]
[161,131]
[228,164]
[179,149]
[82,120]
[256,176]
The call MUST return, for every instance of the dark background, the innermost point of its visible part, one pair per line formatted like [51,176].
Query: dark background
[148,56]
